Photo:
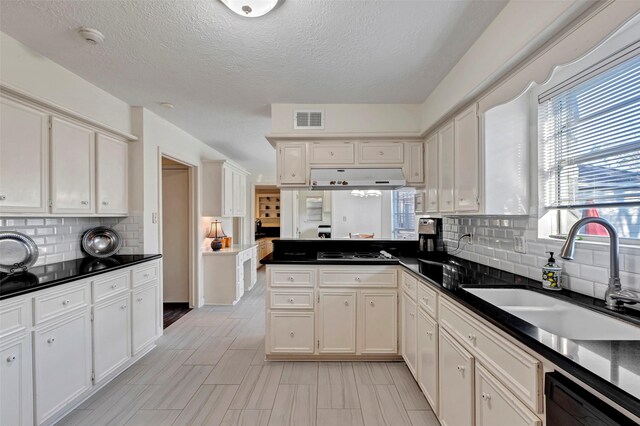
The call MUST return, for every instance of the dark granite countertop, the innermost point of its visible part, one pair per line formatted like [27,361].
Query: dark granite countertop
[610,367]
[54,274]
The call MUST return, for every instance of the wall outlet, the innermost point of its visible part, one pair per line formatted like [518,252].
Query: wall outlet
[470,239]
[519,244]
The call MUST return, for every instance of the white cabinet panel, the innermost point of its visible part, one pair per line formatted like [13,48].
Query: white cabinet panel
[292,164]
[337,325]
[381,153]
[62,363]
[145,315]
[291,332]
[466,160]
[332,153]
[428,358]
[456,385]
[431,175]
[445,168]
[72,167]
[409,336]
[414,162]
[112,169]
[24,158]
[227,191]
[241,210]
[111,335]
[378,321]
[16,388]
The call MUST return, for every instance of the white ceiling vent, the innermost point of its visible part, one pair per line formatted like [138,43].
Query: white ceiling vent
[307,119]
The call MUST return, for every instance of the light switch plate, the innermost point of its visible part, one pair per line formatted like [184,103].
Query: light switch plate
[519,244]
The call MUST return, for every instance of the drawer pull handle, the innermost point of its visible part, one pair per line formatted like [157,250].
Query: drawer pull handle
[346,303]
[51,340]
[11,358]
[331,153]
[381,153]
[65,302]
[461,368]
[146,275]
[471,337]
[486,396]
[429,333]
[139,299]
[290,279]
[105,203]
[291,333]
[291,300]
[3,197]
[413,314]
[358,279]
[371,303]
[123,307]
[84,203]
[114,286]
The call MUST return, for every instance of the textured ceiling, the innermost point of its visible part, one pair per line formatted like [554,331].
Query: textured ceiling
[222,71]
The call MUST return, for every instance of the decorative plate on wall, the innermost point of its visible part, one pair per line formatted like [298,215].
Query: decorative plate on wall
[18,252]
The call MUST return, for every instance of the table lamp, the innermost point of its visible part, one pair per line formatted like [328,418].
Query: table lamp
[216,232]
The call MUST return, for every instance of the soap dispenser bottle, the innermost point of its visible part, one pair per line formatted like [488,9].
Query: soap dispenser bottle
[551,273]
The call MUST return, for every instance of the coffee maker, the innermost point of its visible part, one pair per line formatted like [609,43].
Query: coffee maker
[430,235]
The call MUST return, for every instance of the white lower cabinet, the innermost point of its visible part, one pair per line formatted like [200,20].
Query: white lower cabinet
[16,386]
[111,335]
[495,405]
[409,336]
[456,376]
[378,323]
[337,321]
[145,314]
[427,364]
[291,332]
[62,362]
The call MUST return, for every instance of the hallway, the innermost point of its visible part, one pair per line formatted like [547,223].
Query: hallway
[209,369]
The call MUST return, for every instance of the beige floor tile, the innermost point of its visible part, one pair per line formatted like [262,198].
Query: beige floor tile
[175,395]
[300,373]
[258,389]
[208,406]
[231,368]
[249,338]
[163,369]
[230,327]
[424,418]
[246,418]
[337,386]
[75,418]
[339,417]
[381,405]
[372,373]
[259,357]
[119,410]
[295,405]
[410,393]
[210,351]
[153,418]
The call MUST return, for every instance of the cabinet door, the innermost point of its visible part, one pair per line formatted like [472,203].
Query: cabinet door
[381,153]
[240,196]
[235,195]
[428,358]
[455,382]
[409,336]
[292,165]
[24,158]
[379,322]
[227,191]
[291,332]
[445,168]
[431,177]
[466,160]
[337,328]
[62,363]
[146,314]
[111,335]
[72,168]
[16,389]
[495,405]
[112,159]
[414,162]
[332,153]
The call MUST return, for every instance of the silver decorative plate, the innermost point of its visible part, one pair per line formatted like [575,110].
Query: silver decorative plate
[101,241]
[18,252]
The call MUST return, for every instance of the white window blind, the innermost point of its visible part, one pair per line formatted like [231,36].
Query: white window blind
[590,139]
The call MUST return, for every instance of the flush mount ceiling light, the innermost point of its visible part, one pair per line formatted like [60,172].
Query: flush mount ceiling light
[91,35]
[252,8]
[167,105]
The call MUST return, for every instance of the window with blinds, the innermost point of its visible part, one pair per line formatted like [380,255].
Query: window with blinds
[589,131]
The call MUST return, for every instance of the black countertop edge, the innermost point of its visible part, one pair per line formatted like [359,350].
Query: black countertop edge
[268,260]
[54,274]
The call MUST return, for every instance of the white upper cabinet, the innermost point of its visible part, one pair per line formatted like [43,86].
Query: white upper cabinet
[466,160]
[225,190]
[332,153]
[112,175]
[431,175]
[72,167]
[24,140]
[292,164]
[445,168]
[414,162]
[380,153]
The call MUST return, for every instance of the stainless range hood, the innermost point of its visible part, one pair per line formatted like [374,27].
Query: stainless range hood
[322,179]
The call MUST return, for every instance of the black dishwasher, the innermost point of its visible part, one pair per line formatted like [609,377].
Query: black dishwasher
[568,404]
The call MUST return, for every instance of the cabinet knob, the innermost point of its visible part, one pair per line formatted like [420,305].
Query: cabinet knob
[429,333]
[139,299]
[123,307]
[346,303]
[146,275]
[448,201]
[293,175]
[65,302]
[114,286]
[432,203]
[105,203]
[425,299]
[461,199]
[358,279]
[291,300]
[371,303]
[416,174]
[11,358]
[84,203]
[331,153]
[291,333]
[412,314]
[3,197]
[290,279]
[471,337]
[51,340]
[486,396]
[461,368]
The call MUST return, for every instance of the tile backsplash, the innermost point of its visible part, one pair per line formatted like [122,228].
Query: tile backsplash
[58,238]
[493,245]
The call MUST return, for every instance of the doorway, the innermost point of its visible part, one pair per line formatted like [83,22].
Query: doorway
[176,194]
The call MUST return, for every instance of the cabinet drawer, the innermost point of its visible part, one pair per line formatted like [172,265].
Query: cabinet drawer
[115,284]
[293,277]
[410,285]
[292,299]
[14,315]
[381,153]
[519,371]
[332,153]
[427,299]
[291,332]
[55,303]
[369,277]
[144,274]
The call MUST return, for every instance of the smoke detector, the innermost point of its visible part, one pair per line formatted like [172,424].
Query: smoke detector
[167,105]
[91,35]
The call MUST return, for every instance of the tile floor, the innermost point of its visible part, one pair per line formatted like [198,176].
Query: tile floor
[209,369]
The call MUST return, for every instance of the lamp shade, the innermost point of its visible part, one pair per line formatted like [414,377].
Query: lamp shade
[215,231]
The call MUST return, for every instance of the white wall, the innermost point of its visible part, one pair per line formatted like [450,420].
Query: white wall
[309,229]
[360,215]
[26,69]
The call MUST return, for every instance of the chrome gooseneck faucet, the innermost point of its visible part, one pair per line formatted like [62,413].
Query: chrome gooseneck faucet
[615,297]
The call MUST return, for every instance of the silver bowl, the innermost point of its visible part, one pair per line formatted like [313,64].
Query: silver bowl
[101,241]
